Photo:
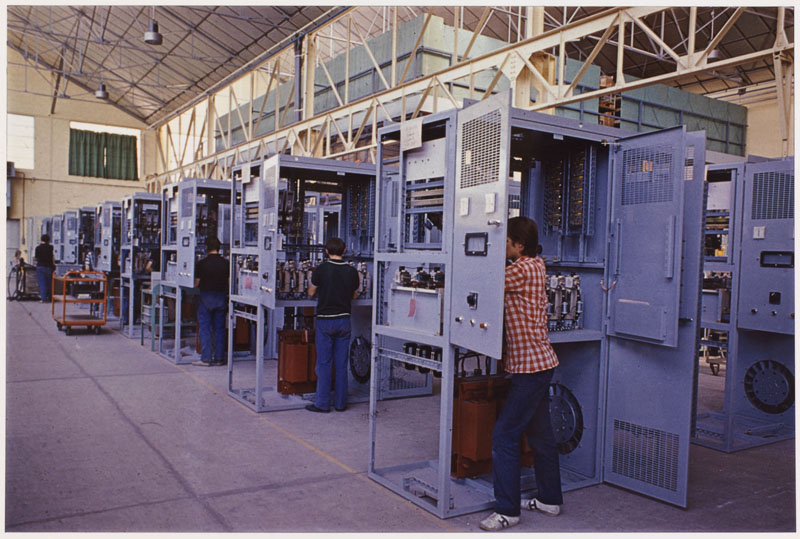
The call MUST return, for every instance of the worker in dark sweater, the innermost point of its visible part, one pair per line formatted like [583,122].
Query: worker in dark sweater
[211,277]
[44,267]
[335,283]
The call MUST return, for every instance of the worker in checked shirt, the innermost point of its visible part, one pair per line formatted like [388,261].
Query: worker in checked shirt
[530,359]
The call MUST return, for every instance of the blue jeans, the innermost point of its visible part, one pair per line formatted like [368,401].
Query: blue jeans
[526,411]
[333,346]
[211,310]
[45,278]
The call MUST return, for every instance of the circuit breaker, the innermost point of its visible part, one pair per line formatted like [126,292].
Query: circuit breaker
[619,218]
[107,236]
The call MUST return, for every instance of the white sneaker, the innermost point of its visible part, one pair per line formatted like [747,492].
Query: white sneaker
[535,505]
[496,521]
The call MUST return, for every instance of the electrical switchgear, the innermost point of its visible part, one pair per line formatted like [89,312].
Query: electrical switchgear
[619,218]
[284,210]
[70,237]
[57,238]
[748,305]
[192,210]
[140,253]
[107,236]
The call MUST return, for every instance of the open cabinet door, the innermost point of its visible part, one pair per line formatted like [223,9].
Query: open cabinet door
[479,225]
[268,231]
[655,261]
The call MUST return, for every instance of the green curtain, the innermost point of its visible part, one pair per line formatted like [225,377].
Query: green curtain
[121,157]
[102,155]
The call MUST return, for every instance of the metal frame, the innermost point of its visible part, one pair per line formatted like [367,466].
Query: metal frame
[521,64]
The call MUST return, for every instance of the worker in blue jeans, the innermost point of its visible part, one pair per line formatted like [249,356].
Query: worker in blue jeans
[335,283]
[44,268]
[212,278]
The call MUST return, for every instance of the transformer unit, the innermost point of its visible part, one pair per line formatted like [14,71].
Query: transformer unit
[619,216]
[140,253]
[284,210]
[192,210]
[748,303]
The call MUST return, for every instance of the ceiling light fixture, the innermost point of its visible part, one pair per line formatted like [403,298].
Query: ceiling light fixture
[153,36]
[101,92]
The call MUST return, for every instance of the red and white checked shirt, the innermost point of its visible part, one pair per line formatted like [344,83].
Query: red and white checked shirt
[528,347]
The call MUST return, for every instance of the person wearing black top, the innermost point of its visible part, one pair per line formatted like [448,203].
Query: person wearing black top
[211,277]
[335,283]
[44,267]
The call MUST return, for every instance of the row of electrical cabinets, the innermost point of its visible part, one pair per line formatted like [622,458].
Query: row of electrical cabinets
[75,232]
[621,226]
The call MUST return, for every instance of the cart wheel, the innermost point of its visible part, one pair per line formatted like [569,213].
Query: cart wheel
[68,330]
[58,325]
[96,330]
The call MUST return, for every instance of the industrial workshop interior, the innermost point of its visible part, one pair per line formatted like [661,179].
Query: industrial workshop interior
[367,167]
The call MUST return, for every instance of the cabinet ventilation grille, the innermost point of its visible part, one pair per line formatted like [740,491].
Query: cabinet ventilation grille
[646,454]
[773,195]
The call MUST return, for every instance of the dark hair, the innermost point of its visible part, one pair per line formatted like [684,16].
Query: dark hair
[212,244]
[524,230]
[335,246]
[45,238]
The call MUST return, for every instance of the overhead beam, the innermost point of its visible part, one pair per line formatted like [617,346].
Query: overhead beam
[498,60]
[79,84]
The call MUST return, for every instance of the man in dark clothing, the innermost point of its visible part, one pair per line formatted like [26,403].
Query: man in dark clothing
[211,277]
[44,268]
[335,283]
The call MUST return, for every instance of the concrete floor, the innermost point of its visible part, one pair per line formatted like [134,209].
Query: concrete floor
[104,436]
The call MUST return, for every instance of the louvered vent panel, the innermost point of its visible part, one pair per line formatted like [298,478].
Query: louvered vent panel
[647,175]
[480,150]
[269,188]
[773,195]
[646,454]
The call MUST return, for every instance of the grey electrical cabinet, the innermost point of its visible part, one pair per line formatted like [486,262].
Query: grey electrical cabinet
[57,227]
[748,305]
[204,211]
[70,237]
[140,252]
[107,236]
[284,210]
[86,216]
[619,218]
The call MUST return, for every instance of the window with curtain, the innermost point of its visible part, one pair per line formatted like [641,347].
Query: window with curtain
[102,155]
